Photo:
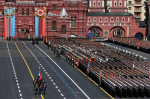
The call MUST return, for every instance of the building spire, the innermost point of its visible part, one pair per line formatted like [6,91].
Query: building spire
[63,13]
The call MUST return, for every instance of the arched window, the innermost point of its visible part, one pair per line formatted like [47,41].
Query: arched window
[27,12]
[115,3]
[99,3]
[89,19]
[123,19]
[117,19]
[63,29]
[112,19]
[54,27]
[106,19]
[73,21]
[94,19]
[22,11]
[94,3]
[100,19]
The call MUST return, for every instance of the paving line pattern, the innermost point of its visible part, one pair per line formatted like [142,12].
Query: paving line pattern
[14,71]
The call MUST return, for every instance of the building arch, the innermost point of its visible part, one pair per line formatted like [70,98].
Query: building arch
[139,35]
[96,31]
[117,31]
[63,29]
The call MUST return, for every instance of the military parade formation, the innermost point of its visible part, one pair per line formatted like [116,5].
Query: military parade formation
[120,72]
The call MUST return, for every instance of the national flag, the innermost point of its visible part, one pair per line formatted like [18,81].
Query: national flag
[40,78]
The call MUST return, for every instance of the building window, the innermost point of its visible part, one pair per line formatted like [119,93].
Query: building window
[120,3]
[112,19]
[54,27]
[138,1]
[22,11]
[137,8]
[63,29]
[94,19]
[129,8]
[115,3]
[106,19]
[27,13]
[73,22]
[89,19]
[130,2]
[123,19]
[100,19]
[94,3]
[47,12]
[99,3]
[54,7]
[137,14]
[117,19]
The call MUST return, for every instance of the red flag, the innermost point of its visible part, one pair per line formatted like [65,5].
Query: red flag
[40,79]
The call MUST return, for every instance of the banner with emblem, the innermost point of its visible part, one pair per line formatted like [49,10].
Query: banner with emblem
[44,23]
[40,21]
[36,25]
[9,21]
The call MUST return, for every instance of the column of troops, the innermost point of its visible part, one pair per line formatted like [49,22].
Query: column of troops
[134,43]
[120,73]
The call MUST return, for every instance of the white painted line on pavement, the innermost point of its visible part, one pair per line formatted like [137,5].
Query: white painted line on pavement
[13,67]
[20,91]
[62,94]
[54,83]
[59,90]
